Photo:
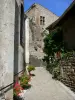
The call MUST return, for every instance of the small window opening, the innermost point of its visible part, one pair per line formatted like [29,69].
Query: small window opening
[42,20]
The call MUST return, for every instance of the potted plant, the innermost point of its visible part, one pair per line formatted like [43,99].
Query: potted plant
[17,89]
[24,81]
[28,77]
[25,84]
[30,68]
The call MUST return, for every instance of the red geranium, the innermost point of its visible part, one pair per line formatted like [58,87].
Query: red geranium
[17,88]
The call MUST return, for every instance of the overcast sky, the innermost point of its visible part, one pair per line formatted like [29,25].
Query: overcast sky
[55,6]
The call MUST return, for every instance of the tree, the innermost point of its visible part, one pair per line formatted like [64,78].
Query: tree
[53,43]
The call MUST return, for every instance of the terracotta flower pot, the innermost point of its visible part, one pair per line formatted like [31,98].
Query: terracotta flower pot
[30,73]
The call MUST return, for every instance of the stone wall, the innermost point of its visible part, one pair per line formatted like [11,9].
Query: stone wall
[68,72]
[68,64]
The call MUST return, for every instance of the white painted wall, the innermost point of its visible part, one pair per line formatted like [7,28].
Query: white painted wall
[27,42]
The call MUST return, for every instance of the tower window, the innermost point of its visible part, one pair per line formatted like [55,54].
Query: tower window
[42,20]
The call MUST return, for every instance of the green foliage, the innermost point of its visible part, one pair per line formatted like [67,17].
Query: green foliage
[31,68]
[24,77]
[52,65]
[53,42]
[24,81]
[68,54]
[14,93]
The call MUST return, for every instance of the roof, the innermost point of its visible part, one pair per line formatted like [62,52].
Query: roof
[33,5]
[63,15]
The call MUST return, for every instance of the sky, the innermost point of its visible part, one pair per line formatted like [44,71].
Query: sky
[55,6]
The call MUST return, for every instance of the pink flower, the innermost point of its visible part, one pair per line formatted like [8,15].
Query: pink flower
[16,84]
[17,88]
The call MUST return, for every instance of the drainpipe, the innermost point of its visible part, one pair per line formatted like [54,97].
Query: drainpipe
[27,43]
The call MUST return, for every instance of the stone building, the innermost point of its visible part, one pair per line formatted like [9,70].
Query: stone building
[67,23]
[11,44]
[39,19]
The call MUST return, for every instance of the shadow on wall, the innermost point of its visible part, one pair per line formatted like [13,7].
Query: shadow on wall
[21,25]
[16,39]
[18,42]
[36,62]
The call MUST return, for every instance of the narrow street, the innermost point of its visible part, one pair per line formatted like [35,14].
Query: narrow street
[46,88]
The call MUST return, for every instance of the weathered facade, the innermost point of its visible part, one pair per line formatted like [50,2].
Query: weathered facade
[39,19]
[11,44]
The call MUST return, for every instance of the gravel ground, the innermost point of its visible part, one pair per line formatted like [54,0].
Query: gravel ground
[46,88]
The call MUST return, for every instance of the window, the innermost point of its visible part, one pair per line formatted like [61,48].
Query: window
[42,20]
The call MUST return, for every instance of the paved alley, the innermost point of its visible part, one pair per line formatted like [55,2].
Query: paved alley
[46,88]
